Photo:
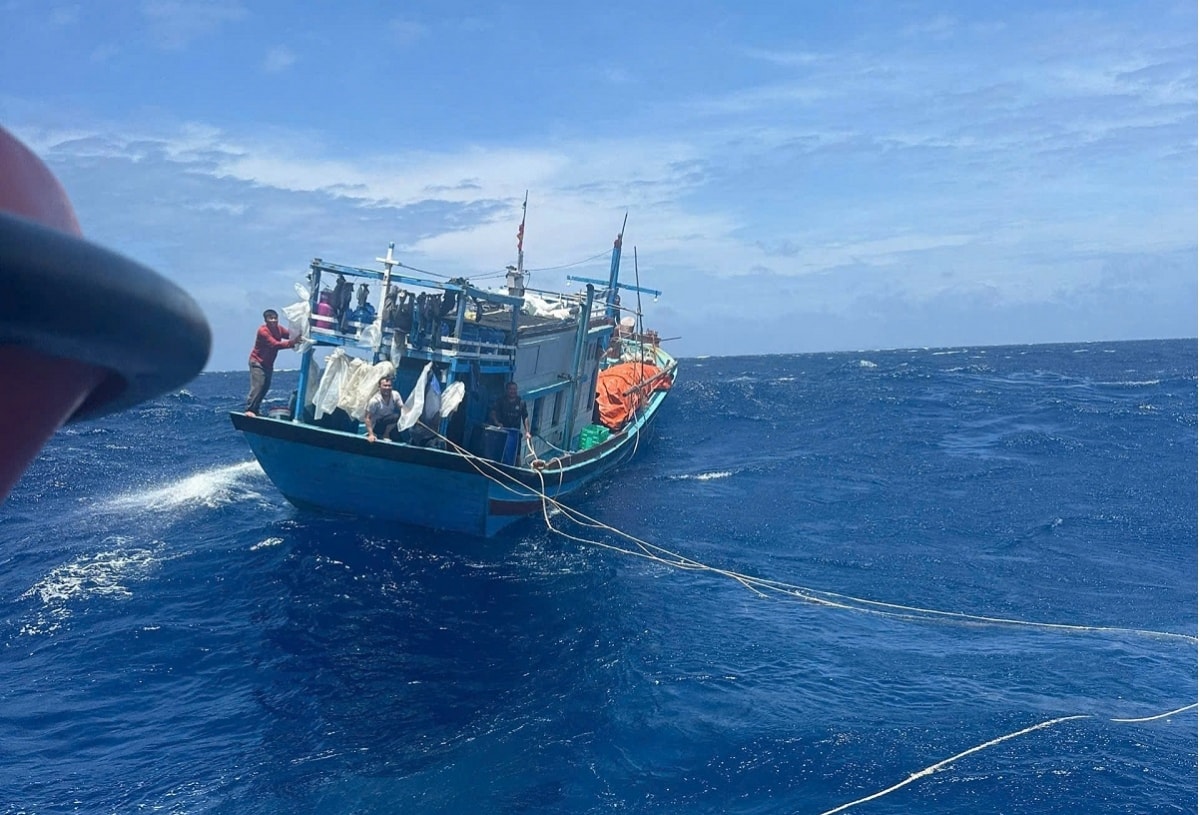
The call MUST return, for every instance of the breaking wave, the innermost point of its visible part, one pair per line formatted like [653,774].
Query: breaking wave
[211,489]
[108,574]
[702,476]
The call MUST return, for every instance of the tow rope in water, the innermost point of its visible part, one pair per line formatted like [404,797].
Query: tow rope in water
[933,768]
[759,585]
[763,587]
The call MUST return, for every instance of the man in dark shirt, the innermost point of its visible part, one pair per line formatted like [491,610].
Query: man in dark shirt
[509,410]
[270,338]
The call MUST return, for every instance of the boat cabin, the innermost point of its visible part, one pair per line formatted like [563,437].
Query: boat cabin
[550,344]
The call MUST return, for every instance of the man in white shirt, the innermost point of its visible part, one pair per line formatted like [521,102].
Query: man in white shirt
[383,411]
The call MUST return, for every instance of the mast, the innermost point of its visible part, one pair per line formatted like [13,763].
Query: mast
[577,367]
[515,279]
[641,334]
[521,236]
[614,272]
[388,262]
[314,297]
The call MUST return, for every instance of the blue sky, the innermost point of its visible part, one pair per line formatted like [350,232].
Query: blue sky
[803,176]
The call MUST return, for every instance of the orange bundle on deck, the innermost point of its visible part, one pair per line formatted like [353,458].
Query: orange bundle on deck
[623,389]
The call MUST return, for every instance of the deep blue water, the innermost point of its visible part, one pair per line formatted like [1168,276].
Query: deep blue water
[176,638]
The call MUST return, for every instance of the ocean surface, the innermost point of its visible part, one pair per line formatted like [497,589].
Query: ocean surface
[943,581]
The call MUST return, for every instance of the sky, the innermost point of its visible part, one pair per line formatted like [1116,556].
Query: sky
[798,176]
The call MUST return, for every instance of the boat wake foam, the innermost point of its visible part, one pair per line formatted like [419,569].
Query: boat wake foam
[211,489]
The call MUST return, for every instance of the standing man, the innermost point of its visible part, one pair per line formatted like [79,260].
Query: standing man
[270,338]
[509,412]
[364,313]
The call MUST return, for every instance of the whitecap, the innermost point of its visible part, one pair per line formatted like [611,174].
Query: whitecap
[108,574]
[209,488]
[702,476]
[267,543]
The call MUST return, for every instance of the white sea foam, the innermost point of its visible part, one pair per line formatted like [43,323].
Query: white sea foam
[1130,383]
[108,574]
[702,476]
[866,363]
[266,543]
[209,488]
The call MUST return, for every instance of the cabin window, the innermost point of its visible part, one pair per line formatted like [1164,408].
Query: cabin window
[587,396]
[535,421]
[559,398]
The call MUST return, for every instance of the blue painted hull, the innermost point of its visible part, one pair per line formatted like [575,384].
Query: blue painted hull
[332,471]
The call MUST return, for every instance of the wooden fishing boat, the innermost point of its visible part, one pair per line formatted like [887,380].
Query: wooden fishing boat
[591,377]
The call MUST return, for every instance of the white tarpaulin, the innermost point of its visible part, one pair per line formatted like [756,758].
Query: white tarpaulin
[297,315]
[414,405]
[360,384]
[452,397]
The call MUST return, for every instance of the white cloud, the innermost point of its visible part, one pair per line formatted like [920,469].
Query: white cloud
[406,32]
[173,24]
[279,59]
[937,28]
[104,53]
[787,59]
[616,75]
[65,15]
[988,171]
[763,97]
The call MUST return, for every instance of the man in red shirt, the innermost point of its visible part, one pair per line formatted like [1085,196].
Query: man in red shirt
[270,338]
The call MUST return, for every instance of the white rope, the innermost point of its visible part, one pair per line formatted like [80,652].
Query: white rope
[933,768]
[761,586]
[1156,716]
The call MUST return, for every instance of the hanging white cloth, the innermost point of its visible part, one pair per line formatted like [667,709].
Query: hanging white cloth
[361,383]
[452,397]
[297,315]
[330,389]
[414,405]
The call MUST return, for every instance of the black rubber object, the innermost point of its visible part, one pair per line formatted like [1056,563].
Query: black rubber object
[66,297]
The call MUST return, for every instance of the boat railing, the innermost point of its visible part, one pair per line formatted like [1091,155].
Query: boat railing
[468,350]
[476,350]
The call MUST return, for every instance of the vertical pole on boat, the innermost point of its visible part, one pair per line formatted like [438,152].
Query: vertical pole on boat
[637,282]
[455,361]
[388,262]
[314,296]
[521,236]
[516,277]
[577,367]
[614,272]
